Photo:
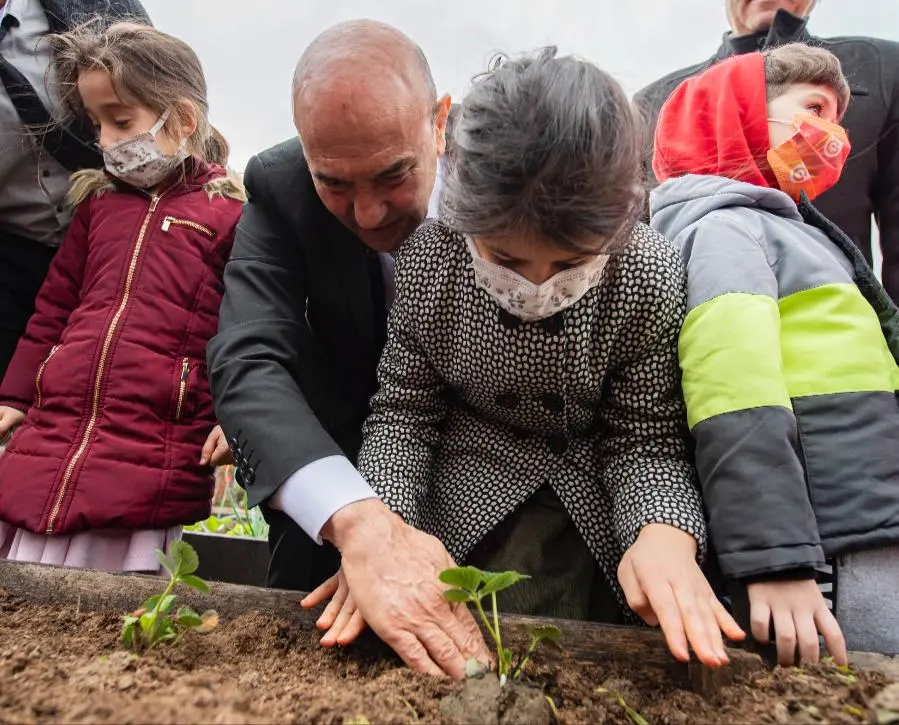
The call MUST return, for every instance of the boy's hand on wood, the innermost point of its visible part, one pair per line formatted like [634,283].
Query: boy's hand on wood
[10,419]
[216,451]
[799,612]
[341,620]
[665,586]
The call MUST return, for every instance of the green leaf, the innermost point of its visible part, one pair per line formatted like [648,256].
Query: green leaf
[547,632]
[184,556]
[213,524]
[189,620]
[166,562]
[467,578]
[166,603]
[147,621]
[195,582]
[151,602]
[501,580]
[128,634]
[457,595]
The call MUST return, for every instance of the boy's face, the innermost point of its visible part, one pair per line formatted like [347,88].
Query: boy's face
[805,98]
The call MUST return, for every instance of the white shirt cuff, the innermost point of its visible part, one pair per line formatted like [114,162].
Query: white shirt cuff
[317,491]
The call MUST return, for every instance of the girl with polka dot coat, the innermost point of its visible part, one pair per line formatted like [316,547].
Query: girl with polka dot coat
[478,409]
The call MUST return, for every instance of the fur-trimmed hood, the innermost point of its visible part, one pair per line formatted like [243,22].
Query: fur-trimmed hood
[93,183]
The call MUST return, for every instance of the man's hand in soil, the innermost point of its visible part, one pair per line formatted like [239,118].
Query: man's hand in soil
[341,620]
[391,569]
[665,586]
[799,612]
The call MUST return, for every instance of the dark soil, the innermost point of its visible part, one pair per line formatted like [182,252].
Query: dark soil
[59,665]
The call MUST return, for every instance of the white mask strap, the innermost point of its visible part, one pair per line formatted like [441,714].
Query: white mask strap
[161,122]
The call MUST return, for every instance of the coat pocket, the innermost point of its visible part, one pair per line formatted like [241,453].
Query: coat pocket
[38,399]
[170,221]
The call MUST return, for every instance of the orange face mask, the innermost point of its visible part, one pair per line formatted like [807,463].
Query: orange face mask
[812,159]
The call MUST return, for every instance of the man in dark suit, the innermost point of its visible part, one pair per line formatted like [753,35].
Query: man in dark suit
[303,323]
[870,181]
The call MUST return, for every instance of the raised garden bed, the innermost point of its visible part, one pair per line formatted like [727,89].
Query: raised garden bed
[60,661]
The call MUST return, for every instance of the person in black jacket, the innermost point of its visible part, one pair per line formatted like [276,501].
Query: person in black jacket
[303,323]
[870,181]
[36,155]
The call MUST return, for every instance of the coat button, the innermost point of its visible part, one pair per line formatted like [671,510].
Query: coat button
[507,319]
[554,325]
[557,443]
[553,402]
[508,400]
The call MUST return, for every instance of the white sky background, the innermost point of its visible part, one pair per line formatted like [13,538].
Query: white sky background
[249,47]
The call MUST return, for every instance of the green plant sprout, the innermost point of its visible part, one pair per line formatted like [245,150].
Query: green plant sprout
[635,717]
[471,586]
[152,623]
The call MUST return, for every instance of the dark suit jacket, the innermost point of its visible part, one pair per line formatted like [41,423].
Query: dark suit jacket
[293,366]
[870,180]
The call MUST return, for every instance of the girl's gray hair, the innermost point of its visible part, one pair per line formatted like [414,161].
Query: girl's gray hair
[549,146]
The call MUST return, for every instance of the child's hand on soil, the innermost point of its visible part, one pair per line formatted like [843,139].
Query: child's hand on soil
[216,451]
[10,419]
[799,612]
[341,620]
[665,586]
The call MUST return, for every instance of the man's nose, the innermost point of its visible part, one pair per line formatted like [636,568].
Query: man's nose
[369,210]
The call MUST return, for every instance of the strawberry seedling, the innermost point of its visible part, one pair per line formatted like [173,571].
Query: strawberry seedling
[472,586]
[155,622]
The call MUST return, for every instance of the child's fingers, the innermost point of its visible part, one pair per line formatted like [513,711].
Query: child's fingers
[726,623]
[222,453]
[760,621]
[208,449]
[785,636]
[833,636]
[806,637]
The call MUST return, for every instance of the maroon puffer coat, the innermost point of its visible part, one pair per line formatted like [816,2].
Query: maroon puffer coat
[111,370]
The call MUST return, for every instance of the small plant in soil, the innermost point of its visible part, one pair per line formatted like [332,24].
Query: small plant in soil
[155,621]
[471,586]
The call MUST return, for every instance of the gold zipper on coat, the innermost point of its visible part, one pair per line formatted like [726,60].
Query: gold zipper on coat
[169,220]
[101,368]
[40,374]
[182,387]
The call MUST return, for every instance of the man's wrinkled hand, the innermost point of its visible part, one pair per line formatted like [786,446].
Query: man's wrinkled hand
[391,570]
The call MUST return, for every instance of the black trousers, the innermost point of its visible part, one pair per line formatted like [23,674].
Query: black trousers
[297,562]
[23,267]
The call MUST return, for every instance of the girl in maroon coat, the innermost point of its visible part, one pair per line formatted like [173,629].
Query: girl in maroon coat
[107,390]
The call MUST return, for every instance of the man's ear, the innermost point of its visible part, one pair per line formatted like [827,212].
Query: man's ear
[441,114]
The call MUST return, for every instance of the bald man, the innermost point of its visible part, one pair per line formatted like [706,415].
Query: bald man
[303,322]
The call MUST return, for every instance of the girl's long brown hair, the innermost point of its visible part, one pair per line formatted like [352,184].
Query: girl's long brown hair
[146,66]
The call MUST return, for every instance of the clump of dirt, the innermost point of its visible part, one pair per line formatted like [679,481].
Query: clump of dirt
[61,665]
[483,700]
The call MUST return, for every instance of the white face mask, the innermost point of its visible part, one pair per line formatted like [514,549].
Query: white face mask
[139,161]
[528,301]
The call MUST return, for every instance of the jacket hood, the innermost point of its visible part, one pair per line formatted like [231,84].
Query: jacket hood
[681,202]
[716,124]
[93,183]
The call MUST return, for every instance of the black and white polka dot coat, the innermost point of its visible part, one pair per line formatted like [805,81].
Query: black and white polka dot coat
[478,409]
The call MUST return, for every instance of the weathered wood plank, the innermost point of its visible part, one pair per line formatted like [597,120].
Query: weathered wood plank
[101,591]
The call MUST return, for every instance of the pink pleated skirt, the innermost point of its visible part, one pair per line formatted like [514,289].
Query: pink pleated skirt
[132,550]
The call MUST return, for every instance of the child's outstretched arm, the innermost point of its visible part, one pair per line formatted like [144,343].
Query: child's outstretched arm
[57,299]
[658,511]
[747,448]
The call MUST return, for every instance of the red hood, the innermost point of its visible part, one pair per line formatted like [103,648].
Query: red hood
[716,124]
